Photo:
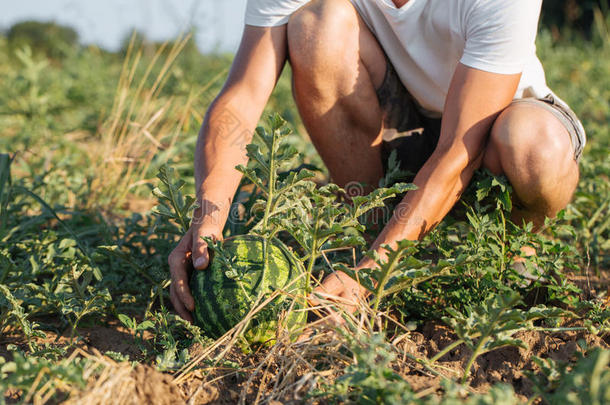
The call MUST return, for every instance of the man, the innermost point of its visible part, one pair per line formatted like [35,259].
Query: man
[451,85]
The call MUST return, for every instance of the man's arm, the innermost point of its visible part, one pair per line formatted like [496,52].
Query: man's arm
[474,101]
[228,127]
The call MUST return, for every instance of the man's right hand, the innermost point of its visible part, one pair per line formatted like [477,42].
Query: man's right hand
[190,254]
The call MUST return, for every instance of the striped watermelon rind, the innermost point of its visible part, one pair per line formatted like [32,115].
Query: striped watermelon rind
[238,277]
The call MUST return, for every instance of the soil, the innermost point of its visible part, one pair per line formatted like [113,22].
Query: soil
[593,285]
[153,387]
[125,385]
[506,365]
[226,384]
[287,375]
[110,336]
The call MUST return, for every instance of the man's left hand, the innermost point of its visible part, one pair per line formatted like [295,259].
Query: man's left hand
[340,288]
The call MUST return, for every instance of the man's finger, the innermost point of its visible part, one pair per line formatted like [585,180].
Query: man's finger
[184,292]
[179,260]
[330,287]
[342,291]
[334,319]
[179,273]
[330,316]
[333,285]
[201,256]
[178,305]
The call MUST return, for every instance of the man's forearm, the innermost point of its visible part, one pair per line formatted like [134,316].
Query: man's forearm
[440,183]
[231,119]
[221,146]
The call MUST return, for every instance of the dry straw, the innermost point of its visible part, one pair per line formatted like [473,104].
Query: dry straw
[142,123]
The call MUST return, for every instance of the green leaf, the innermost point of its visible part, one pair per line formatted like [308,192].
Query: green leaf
[172,203]
[127,321]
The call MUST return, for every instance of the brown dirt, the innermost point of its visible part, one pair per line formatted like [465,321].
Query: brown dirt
[152,386]
[224,386]
[109,336]
[593,286]
[504,365]
[287,372]
[121,384]
[283,374]
[113,338]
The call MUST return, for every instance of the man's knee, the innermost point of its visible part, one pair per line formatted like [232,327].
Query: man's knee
[315,31]
[530,135]
[534,151]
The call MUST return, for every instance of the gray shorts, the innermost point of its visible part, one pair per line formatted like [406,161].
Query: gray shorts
[415,135]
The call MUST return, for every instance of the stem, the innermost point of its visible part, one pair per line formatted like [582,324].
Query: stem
[474,356]
[271,185]
[423,363]
[78,319]
[314,249]
[266,249]
[502,261]
[572,329]
[385,273]
[446,350]
[159,292]
[172,199]
[155,291]
[151,302]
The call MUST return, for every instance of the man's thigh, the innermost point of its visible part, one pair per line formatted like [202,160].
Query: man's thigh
[336,62]
[334,25]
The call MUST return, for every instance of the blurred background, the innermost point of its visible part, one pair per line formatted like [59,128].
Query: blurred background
[217,24]
[107,23]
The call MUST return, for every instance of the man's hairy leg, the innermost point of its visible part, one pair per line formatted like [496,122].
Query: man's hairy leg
[531,147]
[337,65]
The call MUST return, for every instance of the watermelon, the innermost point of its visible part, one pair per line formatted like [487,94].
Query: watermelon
[239,276]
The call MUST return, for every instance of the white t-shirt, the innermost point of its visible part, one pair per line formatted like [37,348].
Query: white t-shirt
[426,39]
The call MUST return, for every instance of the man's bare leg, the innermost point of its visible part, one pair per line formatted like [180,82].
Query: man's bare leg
[337,65]
[531,147]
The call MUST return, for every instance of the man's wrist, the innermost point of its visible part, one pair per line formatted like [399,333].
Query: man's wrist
[211,214]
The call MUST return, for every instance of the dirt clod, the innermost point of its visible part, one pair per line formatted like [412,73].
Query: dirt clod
[124,385]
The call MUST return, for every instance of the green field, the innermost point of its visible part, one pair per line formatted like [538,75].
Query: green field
[87,135]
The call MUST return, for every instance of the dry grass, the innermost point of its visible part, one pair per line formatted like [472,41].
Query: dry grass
[143,122]
[296,364]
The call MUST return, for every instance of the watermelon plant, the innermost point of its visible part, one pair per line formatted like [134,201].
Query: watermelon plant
[585,382]
[246,269]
